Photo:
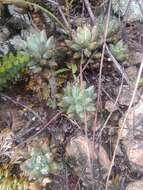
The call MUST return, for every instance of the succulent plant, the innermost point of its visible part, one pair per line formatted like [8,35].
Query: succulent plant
[131,10]
[112,26]
[38,46]
[40,162]
[76,101]
[10,182]
[84,38]
[10,67]
[119,50]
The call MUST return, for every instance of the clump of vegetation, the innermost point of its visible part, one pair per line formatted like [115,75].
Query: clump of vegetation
[10,182]
[76,101]
[134,12]
[39,47]
[40,162]
[10,67]
[83,39]
[119,50]
[43,53]
[113,25]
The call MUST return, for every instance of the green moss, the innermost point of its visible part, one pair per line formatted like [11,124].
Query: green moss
[10,68]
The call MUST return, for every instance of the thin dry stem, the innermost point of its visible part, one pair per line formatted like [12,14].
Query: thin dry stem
[101,65]
[41,129]
[88,6]
[22,105]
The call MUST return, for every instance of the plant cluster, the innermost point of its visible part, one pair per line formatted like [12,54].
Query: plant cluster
[113,25]
[76,101]
[39,47]
[10,67]
[41,51]
[40,162]
[119,50]
[83,39]
[39,54]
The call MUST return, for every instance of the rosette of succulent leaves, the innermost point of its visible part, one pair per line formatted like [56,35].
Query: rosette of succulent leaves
[83,39]
[113,26]
[40,48]
[76,101]
[119,50]
[42,51]
[40,162]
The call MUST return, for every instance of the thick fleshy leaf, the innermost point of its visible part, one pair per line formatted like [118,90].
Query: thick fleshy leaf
[87,34]
[68,100]
[50,44]
[43,36]
[87,52]
[75,47]
[75,91]
[74,68]
[79,108]
[71,109]
[68,42]
[47,55]
[90,108]
[92,46]
[94,33]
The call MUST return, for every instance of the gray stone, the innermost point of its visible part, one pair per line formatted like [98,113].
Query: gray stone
[132,136]
[137,185]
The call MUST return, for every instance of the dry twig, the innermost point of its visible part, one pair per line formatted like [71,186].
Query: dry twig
[22,105]
[88,6]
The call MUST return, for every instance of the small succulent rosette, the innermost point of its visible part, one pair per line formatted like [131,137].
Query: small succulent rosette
[77,102]
[38,46]
[83,39]
[40,162]
[119,50]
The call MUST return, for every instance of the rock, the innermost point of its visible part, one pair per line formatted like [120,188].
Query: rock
[134,123]
[137,185]
[134,150]
[126,95]
[131,35]
[4,49]
[4,33]
[82,146]
[16,42]
[110,106]
[130,10]
[135,57]
[18,12]
[132,72]
[132,136]
[11,45]
[115,117]
[93,161]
